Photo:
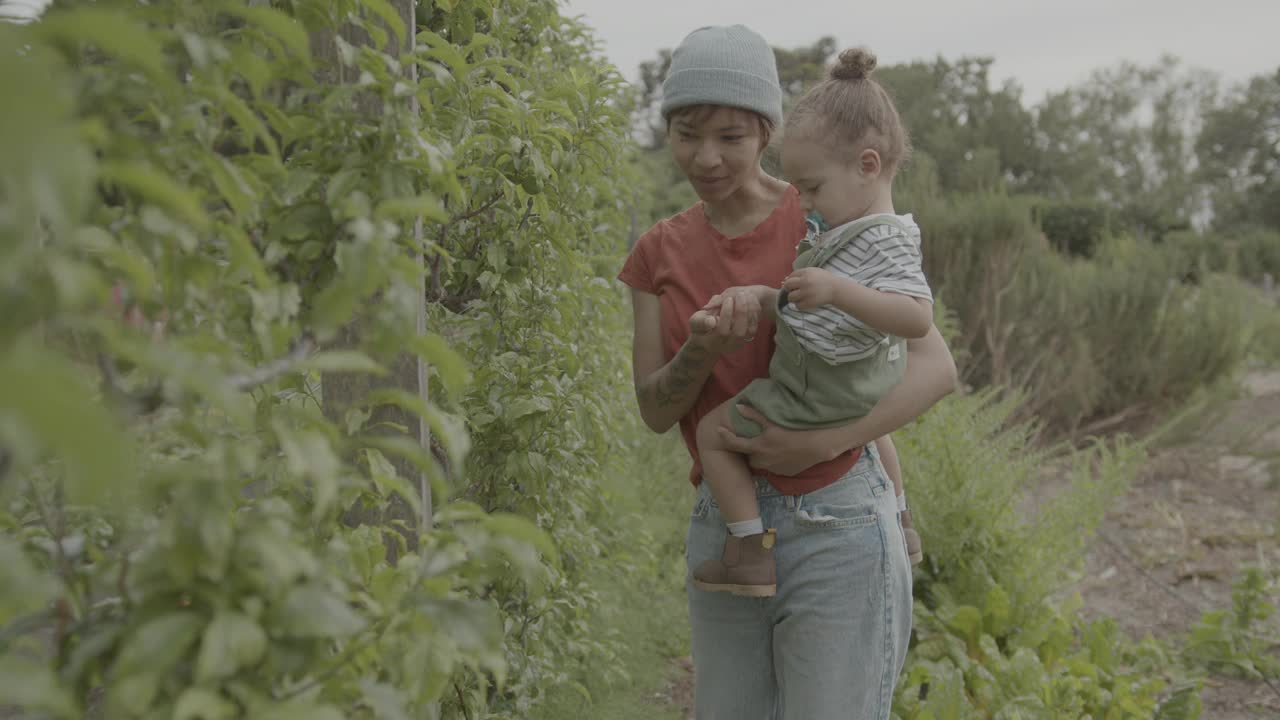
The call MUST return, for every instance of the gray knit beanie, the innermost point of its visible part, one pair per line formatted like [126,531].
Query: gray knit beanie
[721,65]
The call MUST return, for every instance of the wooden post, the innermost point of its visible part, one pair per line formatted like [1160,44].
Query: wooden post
[341,391]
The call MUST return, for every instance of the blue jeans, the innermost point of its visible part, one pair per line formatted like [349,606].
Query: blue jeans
[831,643]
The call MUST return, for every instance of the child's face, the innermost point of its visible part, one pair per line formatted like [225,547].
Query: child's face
[834,186]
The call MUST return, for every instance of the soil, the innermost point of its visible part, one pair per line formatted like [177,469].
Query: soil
[1197,515]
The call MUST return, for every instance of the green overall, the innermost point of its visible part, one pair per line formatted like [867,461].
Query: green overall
[804,391]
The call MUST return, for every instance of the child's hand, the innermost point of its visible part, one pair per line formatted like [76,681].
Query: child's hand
[811,287]
[703,321]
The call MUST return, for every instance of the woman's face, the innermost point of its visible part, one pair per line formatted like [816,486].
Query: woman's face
[717,148]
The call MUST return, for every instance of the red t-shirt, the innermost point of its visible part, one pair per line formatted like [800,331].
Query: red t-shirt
[684,261]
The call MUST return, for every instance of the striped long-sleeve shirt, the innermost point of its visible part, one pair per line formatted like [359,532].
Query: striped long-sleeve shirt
[883,258]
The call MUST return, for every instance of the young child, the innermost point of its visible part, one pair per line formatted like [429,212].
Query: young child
[842,317]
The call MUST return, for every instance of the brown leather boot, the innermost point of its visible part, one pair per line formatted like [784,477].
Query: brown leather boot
[746,567]
[914,550]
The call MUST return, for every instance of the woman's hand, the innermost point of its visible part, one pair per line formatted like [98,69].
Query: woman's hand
[777,449]
[728,321]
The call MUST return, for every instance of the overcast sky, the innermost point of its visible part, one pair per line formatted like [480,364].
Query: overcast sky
[1044,44]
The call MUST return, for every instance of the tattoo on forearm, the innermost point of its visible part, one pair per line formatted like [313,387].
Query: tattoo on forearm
[681,376]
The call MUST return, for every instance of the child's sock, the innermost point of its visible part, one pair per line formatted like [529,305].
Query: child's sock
[754,526]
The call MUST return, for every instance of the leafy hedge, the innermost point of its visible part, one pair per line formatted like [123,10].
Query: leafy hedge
[213,486]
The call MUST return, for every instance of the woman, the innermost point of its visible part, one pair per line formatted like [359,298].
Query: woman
[832,640]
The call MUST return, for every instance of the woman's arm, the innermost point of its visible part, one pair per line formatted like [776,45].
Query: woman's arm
[666,391]
[930,375]
[889,459]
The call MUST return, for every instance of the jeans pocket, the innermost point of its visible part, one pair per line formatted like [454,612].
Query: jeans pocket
[700,508]
[819,515]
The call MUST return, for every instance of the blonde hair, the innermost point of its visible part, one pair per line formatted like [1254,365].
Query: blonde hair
[851,109]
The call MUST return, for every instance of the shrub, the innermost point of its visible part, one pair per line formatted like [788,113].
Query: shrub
[989,639]
[1089,343]
[224,521]
[1076,229]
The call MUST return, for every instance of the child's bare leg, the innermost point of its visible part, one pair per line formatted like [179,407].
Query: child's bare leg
[728,475]
[746,565]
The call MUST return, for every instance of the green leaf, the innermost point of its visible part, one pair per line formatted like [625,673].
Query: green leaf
[474,626]
[966,621]
[300,711]
[255,70]
[232,641]
[308,455]
[246,119]
[519,528]
[155,187]
[527,406]
[282,561]
[997,615]
[231,186]
[445,51]
[244,256]
[410,450]
[98,641]
[132,695]
[387,480]
[386,702]
[23,588]
[313,611]
[112,32]
[450,431]
[159,643]
[342,184]
[139,272]
[337,361]
[410,208]
[33,687]
[447,363]
[392,18]
[283,27]
[50,400]
[201,704]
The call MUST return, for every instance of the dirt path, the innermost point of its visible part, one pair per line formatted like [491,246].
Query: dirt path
[1196,516]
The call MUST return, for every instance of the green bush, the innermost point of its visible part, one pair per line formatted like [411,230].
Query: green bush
[1238,641]
[1265,345]
[1076,229]
[1088,342]
[990,641]
[218,520]
[1251,253]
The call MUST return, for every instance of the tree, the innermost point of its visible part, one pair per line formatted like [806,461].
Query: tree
[978,137]
[1238,151]
[1126,138]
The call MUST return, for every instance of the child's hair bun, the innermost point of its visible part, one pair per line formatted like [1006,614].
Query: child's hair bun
[854,64]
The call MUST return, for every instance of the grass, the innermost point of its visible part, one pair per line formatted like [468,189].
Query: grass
[641,587]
